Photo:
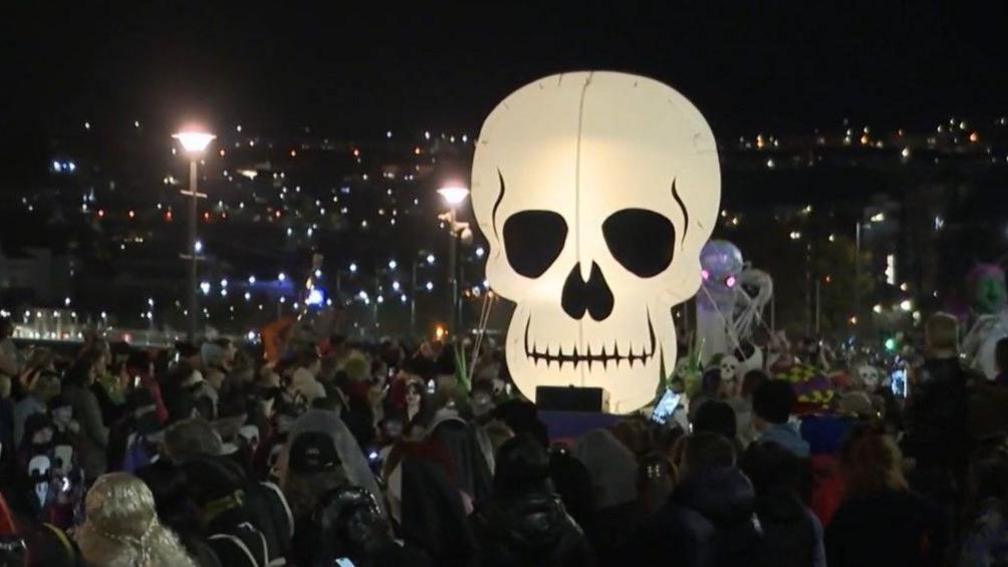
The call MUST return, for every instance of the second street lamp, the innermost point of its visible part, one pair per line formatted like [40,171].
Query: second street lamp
[454,195]
[194,143]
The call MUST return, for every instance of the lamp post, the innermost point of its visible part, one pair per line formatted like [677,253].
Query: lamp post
[454,195]
[193,142]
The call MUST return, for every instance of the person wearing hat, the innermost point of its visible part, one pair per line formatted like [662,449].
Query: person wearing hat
[313,469]
[227,497]
[122,527]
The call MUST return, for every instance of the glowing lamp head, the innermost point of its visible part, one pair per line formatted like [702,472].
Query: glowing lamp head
[194,141]
[730,281]
[454,194]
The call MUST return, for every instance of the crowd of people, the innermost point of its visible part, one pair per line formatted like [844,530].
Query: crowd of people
[338,453]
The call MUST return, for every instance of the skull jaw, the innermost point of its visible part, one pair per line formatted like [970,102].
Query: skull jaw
[629,384]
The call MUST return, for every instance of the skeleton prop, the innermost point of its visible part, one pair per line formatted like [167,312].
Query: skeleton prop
[596,191]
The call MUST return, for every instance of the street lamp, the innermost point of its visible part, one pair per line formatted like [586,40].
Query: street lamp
[454,195]
[194,142]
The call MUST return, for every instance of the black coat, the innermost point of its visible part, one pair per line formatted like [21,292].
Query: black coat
[936,415]
[529,529]
[707,522]
[790,534]
[891,528]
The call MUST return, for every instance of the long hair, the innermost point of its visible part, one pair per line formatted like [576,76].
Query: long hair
[872,463]
[122,528]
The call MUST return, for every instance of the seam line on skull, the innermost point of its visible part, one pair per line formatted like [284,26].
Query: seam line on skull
[577,194]
[685,214]
[500,197]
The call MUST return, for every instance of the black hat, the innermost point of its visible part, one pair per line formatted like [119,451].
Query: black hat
[186,349]
[33,424]
[313,451]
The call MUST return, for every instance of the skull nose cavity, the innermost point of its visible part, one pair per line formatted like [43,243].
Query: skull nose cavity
[592,296]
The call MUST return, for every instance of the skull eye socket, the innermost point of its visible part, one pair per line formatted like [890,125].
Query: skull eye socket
[642,241]
[533,240]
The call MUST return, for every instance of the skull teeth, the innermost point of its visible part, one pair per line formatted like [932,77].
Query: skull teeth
[557,353]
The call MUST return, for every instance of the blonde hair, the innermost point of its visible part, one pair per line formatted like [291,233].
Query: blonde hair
[122,528]
[941,332]
[872,463]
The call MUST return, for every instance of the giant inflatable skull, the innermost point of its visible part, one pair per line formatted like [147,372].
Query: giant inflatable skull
[596,191]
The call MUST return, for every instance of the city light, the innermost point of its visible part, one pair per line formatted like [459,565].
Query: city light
[353,268]
[198,247]
[392,264]
[223,282]
[315,297]
[430,259]
[480,252]
[318,273]
[906,305]
[281,276]
[205,288]
[251,280]
[430,286]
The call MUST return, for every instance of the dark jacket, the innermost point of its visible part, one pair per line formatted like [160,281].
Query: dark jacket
[94,433]
[528,529]
[792,536]
[936,415]
[892,528]
[708,521]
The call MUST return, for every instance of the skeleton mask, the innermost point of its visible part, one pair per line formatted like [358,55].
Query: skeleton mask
[869,377]
[250,434]
[729,368]
[596,191]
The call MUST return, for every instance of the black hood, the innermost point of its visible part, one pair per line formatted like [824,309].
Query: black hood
[534,521]
[722,495]
[528,529]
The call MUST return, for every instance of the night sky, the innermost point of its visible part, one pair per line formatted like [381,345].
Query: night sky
[353,71]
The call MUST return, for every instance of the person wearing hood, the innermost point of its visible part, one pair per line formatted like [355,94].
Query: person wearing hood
[351,457]
[618,512]
[709,520]
[458,439]
[423,501]
[792,535]
[773,402]
[524,521]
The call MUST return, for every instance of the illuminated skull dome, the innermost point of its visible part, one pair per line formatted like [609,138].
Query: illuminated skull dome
[595,191]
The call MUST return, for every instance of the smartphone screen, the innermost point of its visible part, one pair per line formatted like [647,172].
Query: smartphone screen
[665,407]
[898,382]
